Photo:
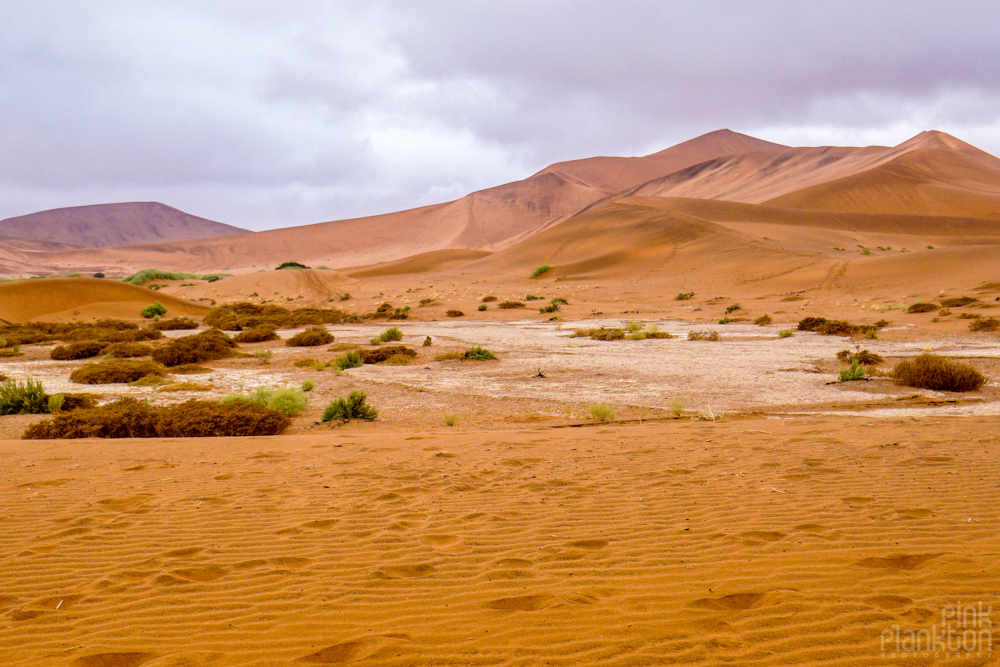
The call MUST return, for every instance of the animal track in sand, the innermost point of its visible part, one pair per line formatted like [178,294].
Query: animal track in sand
[887,602]
[763,535]
[858,500]
[405,571]
[439,540]
[202,574]
[113,660]
[335,654]
[522,603]
[321,524]
[588,544]
[903,562]
[734,602]
[123,504]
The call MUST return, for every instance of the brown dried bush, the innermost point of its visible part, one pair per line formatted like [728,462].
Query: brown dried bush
[958,302]
[865,357]
[111,371]
[80,350]
[988,324]
[310,338]
[508,305]
[174,324]
[256,335]
[129,418]
[930,371]
[380,354]
[704,335]
[455,313]
[489,299]
[922,307]
[244,315]
[127,350]
[205,346]
[189,369]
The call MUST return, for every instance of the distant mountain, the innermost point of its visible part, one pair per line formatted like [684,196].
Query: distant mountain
[106,225]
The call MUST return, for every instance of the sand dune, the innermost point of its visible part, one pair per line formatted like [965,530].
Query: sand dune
[114,224]
[58,299]
[752,542]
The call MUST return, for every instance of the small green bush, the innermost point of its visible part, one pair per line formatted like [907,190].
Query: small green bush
[855,372]
[489,299]
[988,324]
[174,324]
[786,333]
[154,309]
[391,334]
[482,307]
[532,297]
[128,350]
[310,338]
[930,371]
[632,327]
[355,406]
[704,335]
[602,412]
[291,265]
[308,385]
[811,323]
[733,308]
[454,313]
[288,401]
[383,354]
[541,270]
[865,357]
[56,402]
[23,398]
[478,353]
[350,359]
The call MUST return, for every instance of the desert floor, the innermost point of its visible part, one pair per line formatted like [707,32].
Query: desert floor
[762,540]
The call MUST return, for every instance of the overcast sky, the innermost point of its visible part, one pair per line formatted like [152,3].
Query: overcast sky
[268,114]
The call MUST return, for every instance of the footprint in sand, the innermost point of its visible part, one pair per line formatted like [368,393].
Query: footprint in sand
[811,527]
[734,602]
[123,504]
[588,544]
[916,513]
[762,535]
[887,602]
[405,571]
[904,562]
[113,660]
[186,552]
[289,561]
[335,654]
[321,524]
[522,603]
[202,574]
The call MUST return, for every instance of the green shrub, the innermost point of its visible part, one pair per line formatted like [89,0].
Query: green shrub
[129,418]
[676,407]
[23,398]
[606,334]
[930,371]
[855,372]
[510,305]
[922,307]
[811,323]
[353,407]
[205,346]
[245,315]
[450,356]
[602,412]
[540,270]
[684,296]
[733,308]
[149,275]
[263,356]
[382,354]
[637,335]
[478,353]
[482,307]
[310,338]
[763,320]
[632,327]
[450,419]
[116,371]
[786,333]
[174,324]
[532,297]
[725,320]
[80,350]
[557,300]
[291,265]
[56,402]
[958,302]
[351,359]
[288,401]
[128,350]
[389,335]
[308,385]
[154,309]
[256,335]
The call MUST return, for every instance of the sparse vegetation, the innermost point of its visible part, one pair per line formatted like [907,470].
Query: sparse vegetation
[684,296]
[958,302]
[855,372]
[482,307]
[308,385]
[450,419]
[541,270]
[922,307]
[865,357]
[763,320]
[450,356]
[256,335]
[288,401]
[245,315]
[676,407]
[510,305]
[310,338]
[602,412]
[79,350]
[130,418]
[205,346]
[389,335]
[290,265]
[478,353]
[704,335]
[155,309]
[455,313]
[355,406]
[827,327]
[263,356]
[532,297]
[350,359]
[174,324]
[128,350]
[383,354]
[23,398]
[987,324]
[489,299]
[117,371]
[930,371]
[733,308]
[149,275]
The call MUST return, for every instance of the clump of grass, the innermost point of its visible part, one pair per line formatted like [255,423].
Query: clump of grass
[602,412]
[930,371]
[855,372]
[263,356]
[130,418]
[189,369]
[533,297]
[922,307]
[398,360]
[117,371]
[428,342]
[79,350]
[174,324]
[288,400]
[428,301]
[355,406]
[349,359]
[310,338]
[684,296]
[308,385]
[384,354]
[958,302]
[205,346]
[23,398]
[704,335]
[389,335]
[510,305]
[56,402]
[256,335]
[450,356]
[632,327]
[725,320]
[601,334]
[454,313]
[987,324]
[763,320]
[149,275]
[489,299]
[541,269]
[676,407]
[637,335]
[450,419]
[478,353]
[733,308]
[155,309]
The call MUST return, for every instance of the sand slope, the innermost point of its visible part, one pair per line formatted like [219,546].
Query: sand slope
[751,542]
[82,299]
[114,224]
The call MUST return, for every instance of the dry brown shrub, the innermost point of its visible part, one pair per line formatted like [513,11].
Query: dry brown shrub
[126,350]
[256,335]
[80,350]
[380,354]
[930,371]
[111,371]
[509,305]
[310,338]
[174,324]
[205,346]
[455,313]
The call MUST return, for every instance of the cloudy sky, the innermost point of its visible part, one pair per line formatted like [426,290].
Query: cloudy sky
[268,114]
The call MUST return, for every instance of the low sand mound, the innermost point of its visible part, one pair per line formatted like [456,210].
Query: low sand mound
[437,260]
[63,299]
[308,287]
